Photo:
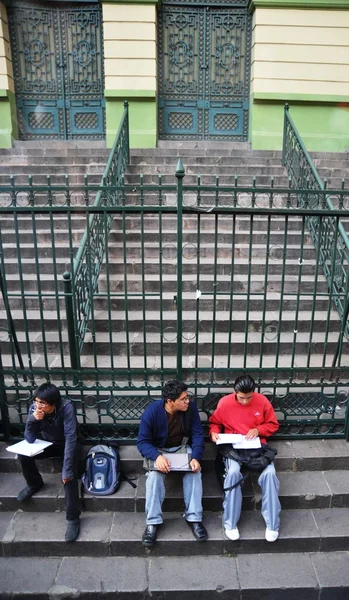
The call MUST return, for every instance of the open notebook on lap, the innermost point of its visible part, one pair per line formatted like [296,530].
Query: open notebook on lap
[179,462]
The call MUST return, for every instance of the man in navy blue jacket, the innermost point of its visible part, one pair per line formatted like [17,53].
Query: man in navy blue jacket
[166,425]
[53,419]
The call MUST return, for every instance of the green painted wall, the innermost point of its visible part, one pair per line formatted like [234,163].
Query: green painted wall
[323,127]
[8,119]
[142,119]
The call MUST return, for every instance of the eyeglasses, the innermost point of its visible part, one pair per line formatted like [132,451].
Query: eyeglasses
[41,402]
[184,400]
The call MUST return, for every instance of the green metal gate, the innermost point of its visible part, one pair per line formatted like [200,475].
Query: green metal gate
[57,53]
[204,70]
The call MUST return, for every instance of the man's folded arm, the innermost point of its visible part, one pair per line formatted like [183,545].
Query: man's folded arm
[145,440]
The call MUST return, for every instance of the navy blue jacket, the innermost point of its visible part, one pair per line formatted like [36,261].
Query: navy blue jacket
[153,430]
[61,428]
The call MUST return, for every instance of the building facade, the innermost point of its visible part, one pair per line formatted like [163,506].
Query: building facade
[220,70]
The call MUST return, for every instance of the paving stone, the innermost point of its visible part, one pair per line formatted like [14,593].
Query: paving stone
[298,532]
[123,500]
[333,575]
[42,534]
[338,482]
[22,578]
[46,499]
[277,577]
[5,520]
[194,578]
[304,490]
[102,577]
[320,455]
[333,526]
[174,537]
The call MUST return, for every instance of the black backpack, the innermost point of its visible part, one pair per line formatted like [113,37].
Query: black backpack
[103,474]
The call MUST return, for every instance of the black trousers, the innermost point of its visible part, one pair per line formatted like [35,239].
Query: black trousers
[33,478]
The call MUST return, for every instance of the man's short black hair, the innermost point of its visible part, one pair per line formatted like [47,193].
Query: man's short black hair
[173,389]
[47,392]
[244,384]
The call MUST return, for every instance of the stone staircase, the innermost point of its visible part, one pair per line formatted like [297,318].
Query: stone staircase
[309,560]
[245,280]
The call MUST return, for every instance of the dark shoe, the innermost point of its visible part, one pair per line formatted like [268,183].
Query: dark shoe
[28,492]
[73,530]
[199,531]
[149,535]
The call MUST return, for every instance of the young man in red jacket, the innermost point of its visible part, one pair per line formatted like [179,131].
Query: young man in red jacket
[252,415]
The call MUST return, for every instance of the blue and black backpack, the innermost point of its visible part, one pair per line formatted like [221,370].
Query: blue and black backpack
[103,474]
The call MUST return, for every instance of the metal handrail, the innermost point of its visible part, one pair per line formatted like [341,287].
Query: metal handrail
[82,284]
[294,148]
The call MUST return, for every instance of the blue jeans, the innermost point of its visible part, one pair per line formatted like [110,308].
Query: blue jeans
[270,500]
[155,495]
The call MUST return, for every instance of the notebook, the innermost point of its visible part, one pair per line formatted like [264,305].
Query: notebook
[179,462]
[27,449]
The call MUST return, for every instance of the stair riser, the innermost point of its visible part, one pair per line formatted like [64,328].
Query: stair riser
[168,237]
[55,180]
[167,268]
[51,503]
[261,180]
[135,304]
[170,287]
[205,169]
[54,170]
[168,348]
[136,324]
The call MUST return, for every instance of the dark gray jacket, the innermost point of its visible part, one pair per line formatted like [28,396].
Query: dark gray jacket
[61,428]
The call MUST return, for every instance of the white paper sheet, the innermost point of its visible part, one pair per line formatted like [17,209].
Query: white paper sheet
[238,441]
[27,449]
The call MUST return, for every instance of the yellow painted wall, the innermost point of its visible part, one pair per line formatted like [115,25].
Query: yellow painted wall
[300,51]
[129,46]
[6,73]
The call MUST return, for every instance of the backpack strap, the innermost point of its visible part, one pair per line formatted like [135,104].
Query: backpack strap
[187,420]
[129,480]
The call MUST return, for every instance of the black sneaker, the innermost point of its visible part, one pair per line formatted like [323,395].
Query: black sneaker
[73,530]
[28,492]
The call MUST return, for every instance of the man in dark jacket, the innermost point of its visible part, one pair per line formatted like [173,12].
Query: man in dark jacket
[166,425]
[53,419]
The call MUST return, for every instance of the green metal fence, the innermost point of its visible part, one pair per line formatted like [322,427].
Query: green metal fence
[194,281]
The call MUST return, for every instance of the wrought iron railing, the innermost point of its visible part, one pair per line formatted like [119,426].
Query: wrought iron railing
[83,283]
[237,291]
[329,236]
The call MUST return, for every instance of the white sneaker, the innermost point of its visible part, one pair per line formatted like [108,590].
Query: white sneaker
[270,535]
[232,534]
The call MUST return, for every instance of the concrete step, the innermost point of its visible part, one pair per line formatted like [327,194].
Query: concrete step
[144,338]
[257,320]
[168,267]
[210,169]
[307,359]
[292,456]
[232,160]
[307,576]
[222,303]
[93,179]
[298,490]
[44,145]
[168,236]
[240,285]
[54,169]
[51,161]
[242,180]
[115,533]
